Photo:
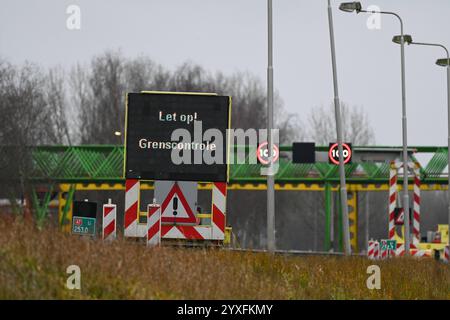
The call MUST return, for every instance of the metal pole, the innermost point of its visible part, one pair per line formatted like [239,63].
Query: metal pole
[405,145]
[270,176]
[332,208]
[327,217]
[404,132]
[315,231]
[448,139]
[448,115]
[337,107]
[367,220]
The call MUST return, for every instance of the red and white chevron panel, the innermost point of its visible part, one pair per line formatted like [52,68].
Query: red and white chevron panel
[416,253]
[392,199]
[153,225]
[185,232]
[109,221]
[416,207]
[131,207]
[219,204]
[447,254]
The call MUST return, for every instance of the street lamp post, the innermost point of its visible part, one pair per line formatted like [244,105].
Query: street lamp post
[357,7]
[442,63]
[446,63]
[270,176]
[337,110]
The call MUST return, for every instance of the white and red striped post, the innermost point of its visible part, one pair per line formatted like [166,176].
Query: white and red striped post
[376,250]
[370,249]
[373,249]
[109,221]
[153,225]
[416,207]
[392,199]
[219,204]
[131,207]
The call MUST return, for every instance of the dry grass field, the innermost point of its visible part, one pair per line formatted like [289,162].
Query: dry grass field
[33,266]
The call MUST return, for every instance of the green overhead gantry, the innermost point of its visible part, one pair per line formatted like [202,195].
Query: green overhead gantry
[100,167]
[104,164]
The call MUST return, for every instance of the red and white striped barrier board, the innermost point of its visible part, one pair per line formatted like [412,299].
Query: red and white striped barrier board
[186,232]
[416,253]
[153,225]
[131,207]
[109,221]
[447,254]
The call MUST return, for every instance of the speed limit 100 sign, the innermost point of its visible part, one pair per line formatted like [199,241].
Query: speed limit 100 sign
[333,153]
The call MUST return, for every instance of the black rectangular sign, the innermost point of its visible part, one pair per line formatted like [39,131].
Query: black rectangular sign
[87,209]
[303,152]
[151,120]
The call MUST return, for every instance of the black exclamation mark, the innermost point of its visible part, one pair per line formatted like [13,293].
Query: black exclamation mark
[175,205]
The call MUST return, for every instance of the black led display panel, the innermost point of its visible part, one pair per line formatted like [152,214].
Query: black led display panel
[151,120]
[87,209]
[303,152]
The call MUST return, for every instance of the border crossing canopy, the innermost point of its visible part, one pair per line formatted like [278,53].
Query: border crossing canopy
[200,147]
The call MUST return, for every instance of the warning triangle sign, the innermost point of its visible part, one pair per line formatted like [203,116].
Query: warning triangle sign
[399,216]
[175,208]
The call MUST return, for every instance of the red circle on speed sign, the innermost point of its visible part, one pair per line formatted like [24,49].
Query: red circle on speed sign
[333,153]
[263,154]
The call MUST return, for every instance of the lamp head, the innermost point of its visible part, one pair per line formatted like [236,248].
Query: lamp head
[351,6]
[406,38]
[443,62]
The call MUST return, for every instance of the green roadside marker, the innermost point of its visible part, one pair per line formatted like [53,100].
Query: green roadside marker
[83,226]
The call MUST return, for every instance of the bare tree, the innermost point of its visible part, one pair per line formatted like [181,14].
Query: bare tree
[99,95]
[355,124]
[80,101]
[27,120]
[142,73]
[55,95]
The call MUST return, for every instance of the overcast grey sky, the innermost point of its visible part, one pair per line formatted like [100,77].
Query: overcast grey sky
[231,35]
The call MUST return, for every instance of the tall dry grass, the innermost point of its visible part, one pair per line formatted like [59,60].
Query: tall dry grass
[33,266]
